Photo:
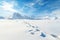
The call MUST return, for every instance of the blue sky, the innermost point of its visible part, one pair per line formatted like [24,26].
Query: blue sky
[32,8]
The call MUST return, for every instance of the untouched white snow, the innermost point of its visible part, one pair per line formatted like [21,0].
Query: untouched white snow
[18,29]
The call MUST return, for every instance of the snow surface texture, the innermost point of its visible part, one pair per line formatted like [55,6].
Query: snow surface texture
[29,29]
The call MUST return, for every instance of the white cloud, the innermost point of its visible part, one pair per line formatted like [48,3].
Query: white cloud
[8,6]
[56,12]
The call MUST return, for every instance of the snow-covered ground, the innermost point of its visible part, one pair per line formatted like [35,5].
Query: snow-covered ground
[29,29]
